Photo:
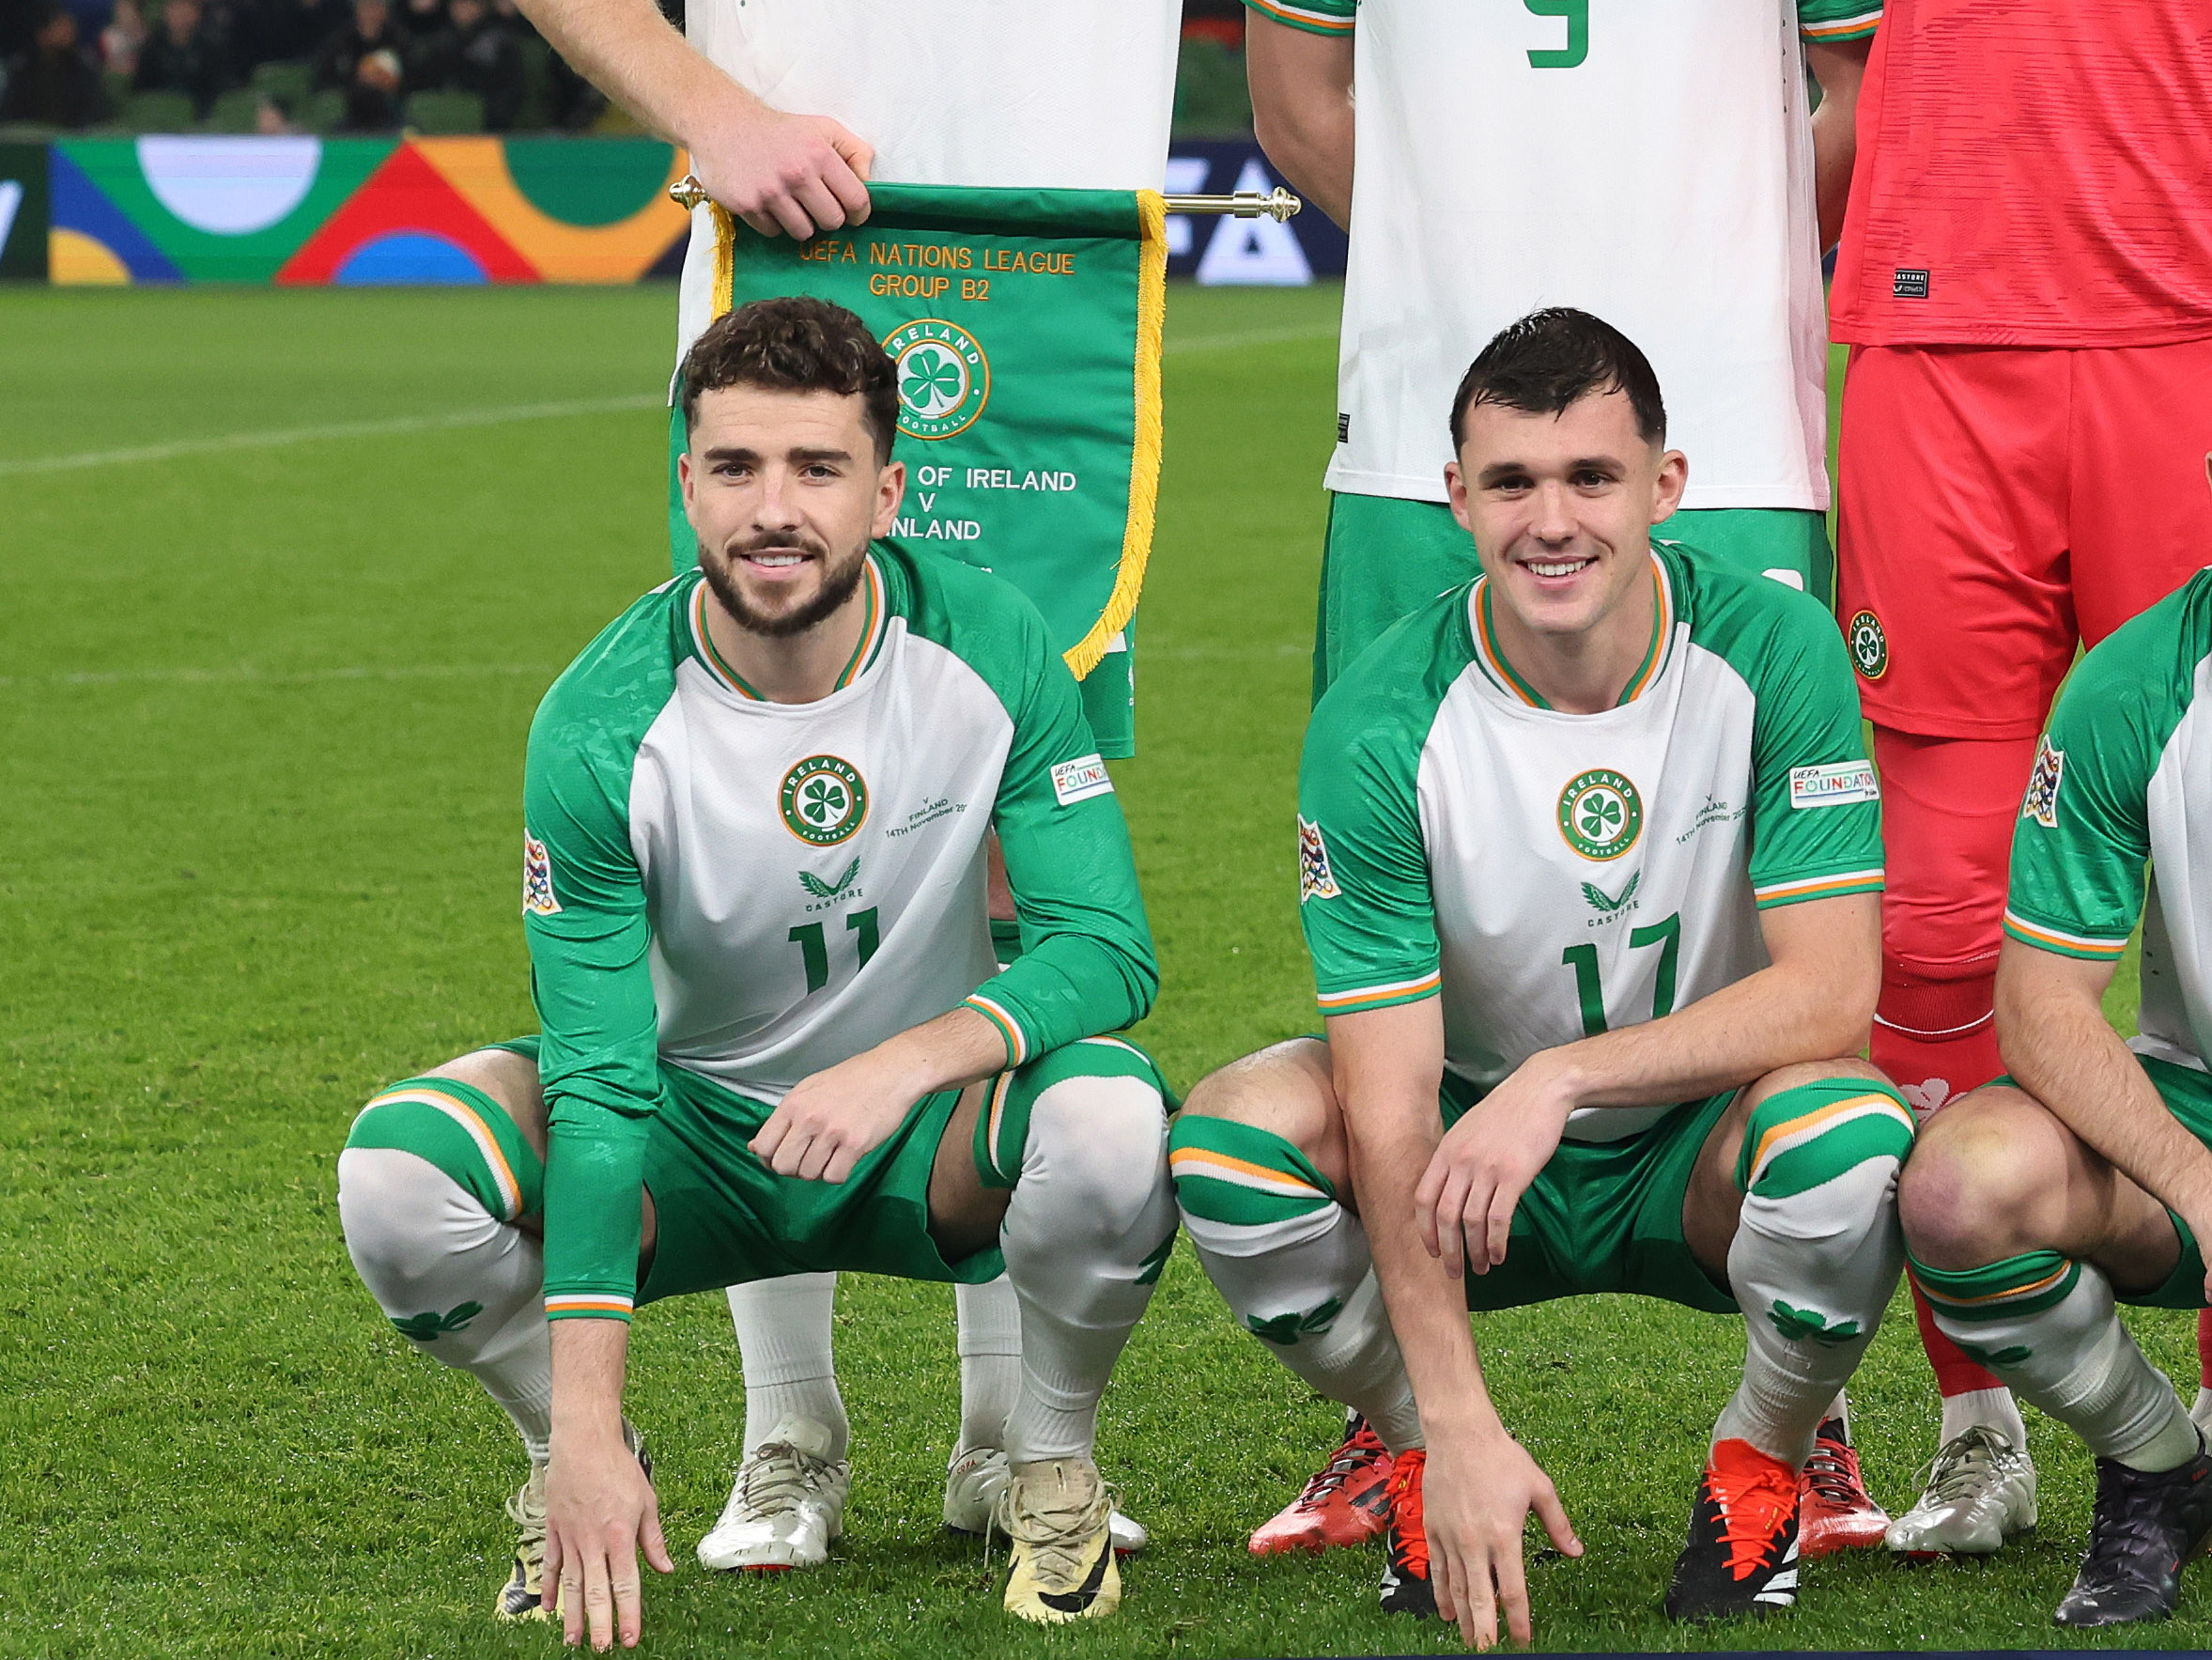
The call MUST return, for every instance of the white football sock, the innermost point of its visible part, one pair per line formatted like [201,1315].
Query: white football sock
[784,1338]
[1993,1409]
[1307,1287]
[461,1286]
[1813,1270]
[2200,1410]
[2054,1335]
[990,1345]
[1083,1238]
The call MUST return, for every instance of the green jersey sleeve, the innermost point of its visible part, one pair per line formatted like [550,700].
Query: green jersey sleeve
[1316,16]
[1363,867]
[1838,20]
[1086,963]
[1816,801]
[583,905]
[2082,842]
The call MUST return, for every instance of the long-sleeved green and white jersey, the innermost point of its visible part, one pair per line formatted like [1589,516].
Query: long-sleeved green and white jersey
[1553,875]
[2122,785]
[755,891]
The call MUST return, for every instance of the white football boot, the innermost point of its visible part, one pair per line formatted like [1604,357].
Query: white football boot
[787,1506]
[1980,1492]
[977,1475]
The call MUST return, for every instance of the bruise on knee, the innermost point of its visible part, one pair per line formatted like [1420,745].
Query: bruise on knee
[1980,1183]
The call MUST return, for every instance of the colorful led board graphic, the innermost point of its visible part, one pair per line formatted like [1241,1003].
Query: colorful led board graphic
[359,210]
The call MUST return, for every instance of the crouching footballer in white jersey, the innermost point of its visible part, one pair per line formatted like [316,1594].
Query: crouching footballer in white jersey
[774,1038]
[1590,860]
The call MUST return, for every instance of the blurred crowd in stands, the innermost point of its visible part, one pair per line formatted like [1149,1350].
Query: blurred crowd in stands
[284,66]
[374,66]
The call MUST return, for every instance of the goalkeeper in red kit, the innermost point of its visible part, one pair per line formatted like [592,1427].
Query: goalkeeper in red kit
[2025,278]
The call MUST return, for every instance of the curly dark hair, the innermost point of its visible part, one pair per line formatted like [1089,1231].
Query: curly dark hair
[1548,360]
[797,344]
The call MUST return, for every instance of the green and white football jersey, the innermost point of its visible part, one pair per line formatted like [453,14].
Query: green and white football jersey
[1651,163]
[755,892]
[2122,785]
[1553,875]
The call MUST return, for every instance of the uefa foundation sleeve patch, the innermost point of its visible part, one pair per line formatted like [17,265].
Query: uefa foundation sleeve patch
[2041,801]
[537,879]
[1079,779]
[1315,880]
[1833,786]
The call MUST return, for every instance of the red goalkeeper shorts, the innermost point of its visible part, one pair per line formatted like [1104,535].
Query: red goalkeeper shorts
[2000,504]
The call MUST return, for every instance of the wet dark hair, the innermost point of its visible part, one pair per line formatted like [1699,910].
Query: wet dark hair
[797,344]
[1553,357]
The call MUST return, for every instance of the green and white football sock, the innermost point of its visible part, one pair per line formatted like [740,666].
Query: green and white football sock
[1293,1264]
[1086,1235]
[431,1182]
[1816,1253]
[2048,1326]
[990,1345]
[783,1340]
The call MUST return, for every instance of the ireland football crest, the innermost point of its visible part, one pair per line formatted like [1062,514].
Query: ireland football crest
[944,377]
[1601,815]
[1870,647]
[824,800]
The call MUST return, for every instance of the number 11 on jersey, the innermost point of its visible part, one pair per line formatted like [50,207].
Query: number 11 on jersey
[1583,959]
[814,950]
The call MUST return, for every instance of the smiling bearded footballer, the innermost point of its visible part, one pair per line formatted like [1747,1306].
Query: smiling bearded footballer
[774,1038]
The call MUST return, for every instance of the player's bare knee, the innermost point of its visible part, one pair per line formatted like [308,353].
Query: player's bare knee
[511,1080]
[1971,1189]
[1799,1074]
[1285,1089]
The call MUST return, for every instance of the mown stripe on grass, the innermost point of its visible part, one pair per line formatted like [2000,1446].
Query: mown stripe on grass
[277,437]
[401,425]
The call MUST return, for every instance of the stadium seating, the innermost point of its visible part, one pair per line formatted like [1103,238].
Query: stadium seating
[436,114]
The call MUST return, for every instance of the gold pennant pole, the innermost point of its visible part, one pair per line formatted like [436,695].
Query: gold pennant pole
[1277,204]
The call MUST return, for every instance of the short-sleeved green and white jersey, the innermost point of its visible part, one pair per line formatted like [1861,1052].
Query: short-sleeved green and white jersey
[1650,164]
[755,891]
[2122,785]
[1553,875]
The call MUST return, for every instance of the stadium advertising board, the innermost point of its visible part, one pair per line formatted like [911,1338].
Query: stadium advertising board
[22,212]
[197,208]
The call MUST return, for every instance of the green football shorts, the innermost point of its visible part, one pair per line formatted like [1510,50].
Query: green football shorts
[1110,690]
[1384,558]
[1604,1216]
[724,1217]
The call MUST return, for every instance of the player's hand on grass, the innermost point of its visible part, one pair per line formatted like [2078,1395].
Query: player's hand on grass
[1465,1200]
[1476,1493]
[836,1118]
[601,1511]
[784,173]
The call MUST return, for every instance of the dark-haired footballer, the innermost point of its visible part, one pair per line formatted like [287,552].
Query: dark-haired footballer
[774,1038]
[1590,868]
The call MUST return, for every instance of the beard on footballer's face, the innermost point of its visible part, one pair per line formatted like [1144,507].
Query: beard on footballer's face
[808,585]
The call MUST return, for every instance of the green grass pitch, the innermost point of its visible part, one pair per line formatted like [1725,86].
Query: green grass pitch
[261,722]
